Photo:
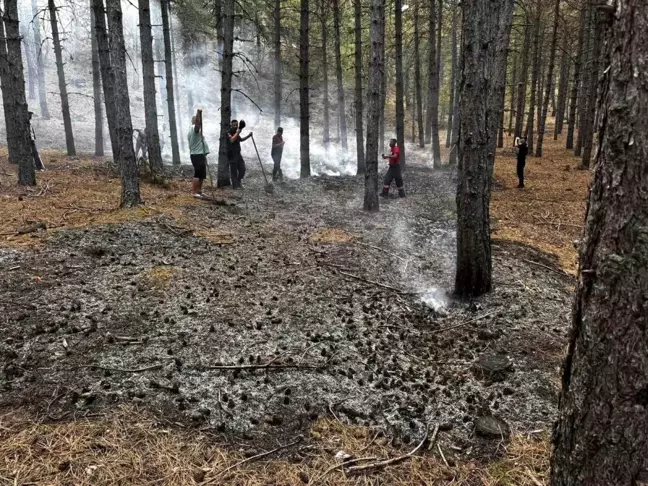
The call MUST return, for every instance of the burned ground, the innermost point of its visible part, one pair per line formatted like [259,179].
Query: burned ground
[343,314]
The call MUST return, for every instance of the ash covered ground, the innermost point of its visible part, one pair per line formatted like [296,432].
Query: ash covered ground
[145,312]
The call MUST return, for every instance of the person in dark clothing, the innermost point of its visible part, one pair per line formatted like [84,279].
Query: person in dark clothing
[38,163]
[276,153]
[394,171]
[522,151]
[236,162]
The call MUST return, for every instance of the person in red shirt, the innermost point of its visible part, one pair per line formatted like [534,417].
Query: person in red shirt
[394,171]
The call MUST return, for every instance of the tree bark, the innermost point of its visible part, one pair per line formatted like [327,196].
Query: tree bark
[226,91]
[176,78]
[432,115]
[503,13]
[588,122]
[170,82]
[148,78]
[65,103]
[550,79]
[417,76]
[40,65]
[600,438]
[277,63]
[371,203]
[383,81]
[563,85]
[400,108]
[438,48]
[13,96]
[578,66]
[486,30]
[522,81]
[326,129]
[338,70]
[96,87]
[125,156]
[107,74]
[453,73]
[513,90]
[456,122]
[304,98]
[29,59]
[586,74]
[359,106]
[534,78]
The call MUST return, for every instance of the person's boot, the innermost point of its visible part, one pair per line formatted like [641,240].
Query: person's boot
[401,192]
[384,193]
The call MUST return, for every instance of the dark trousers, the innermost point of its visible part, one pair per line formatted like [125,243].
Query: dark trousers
[277,174]
[394,172]
[237,170]
[520,170]
[38,163]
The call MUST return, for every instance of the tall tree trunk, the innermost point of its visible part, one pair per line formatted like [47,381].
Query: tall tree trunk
[500,132]
[277,63]
[486,30]
[503,13]
[170,82]
[373,104]
[29,59]
[600,438]
[13,96]
[453,73]
[534,77]
[383,82]
[326,129]
[65,103]
[338,70]
[359,108]
[524,78]
[456,122]
[513,91]
[176,78]
[130,195]
[578,67]
[96,87]
[432,115]
[550,79]
[417,76]
[107,74]
[304,108]
[226,91]
[438,46]
[563,85]
[588,122]
[400,109]
[148,77]
[40,64]
[585,81]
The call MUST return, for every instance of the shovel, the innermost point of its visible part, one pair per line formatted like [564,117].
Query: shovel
[269,188]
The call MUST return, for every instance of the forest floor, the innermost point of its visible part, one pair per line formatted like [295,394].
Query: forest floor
[169,343]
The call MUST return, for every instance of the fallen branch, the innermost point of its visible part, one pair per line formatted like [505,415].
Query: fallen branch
[119,370]
[380,249]
[559,272]
[267,366]
[374,283]
[249,459]
[466,322]
[396,460]
[342,465]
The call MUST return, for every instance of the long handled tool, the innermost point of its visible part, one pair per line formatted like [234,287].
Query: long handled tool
[269,188]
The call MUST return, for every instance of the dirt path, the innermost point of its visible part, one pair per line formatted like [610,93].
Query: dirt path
[322,309]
